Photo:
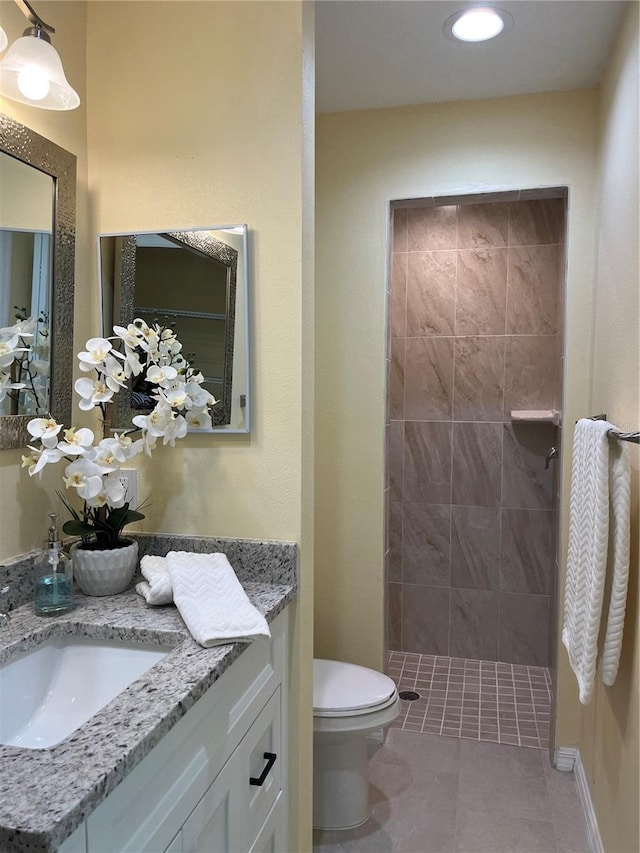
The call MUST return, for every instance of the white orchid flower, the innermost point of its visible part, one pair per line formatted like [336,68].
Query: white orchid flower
[43,428]
[156,421]
[116,373]
[76,442]
[108,455]
[131,335]
[161,375]
[30,461]
[112,494]
[8,350]
[7,385]
[92,393]
[48,456]
[176,396]
[176,428]
[149,337]
[132,359]
[41,367]
[128,446]
[96,352]
[23,328]
[200,397]
[198,419]
[84,476]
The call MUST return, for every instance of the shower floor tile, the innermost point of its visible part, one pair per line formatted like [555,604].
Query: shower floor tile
[474,699]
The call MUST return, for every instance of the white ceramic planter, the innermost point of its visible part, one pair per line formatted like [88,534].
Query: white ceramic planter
[104,572]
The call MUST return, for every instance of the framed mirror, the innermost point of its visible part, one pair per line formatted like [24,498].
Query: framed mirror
[196,280]
[37,249]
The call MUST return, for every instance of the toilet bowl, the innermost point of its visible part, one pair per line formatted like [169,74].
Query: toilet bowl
[349,702]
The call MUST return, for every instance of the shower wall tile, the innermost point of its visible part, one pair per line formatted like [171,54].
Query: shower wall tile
[394,562]
[426,544]
[427,462]
[527,558]
[431,228]
[526,483]
[398,300]
[395,459]
[399,230]
[396,378]
[428,387]
[481,292]
[477,457]
[431,293]
[532,290]
[474,309]
[474,624]
[479,378]
[523,636]
[533,223]
[425,619]
[482,225]
[529,376]
[394,617]
[475,547]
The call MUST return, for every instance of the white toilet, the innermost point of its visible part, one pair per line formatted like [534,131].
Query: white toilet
[349,702]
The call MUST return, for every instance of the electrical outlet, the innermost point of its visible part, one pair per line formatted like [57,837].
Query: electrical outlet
[129,479]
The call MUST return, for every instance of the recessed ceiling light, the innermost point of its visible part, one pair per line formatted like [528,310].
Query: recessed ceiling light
[479,23]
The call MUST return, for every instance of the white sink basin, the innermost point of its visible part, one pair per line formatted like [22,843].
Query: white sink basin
[51,690]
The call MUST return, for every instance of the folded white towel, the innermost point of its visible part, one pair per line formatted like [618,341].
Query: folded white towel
[211,600]
[620,494]
[587,554]
[156,588]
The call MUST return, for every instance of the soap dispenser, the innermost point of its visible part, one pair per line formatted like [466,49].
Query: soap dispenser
[53,577]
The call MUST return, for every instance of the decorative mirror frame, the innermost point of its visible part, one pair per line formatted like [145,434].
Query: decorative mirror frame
[28,146]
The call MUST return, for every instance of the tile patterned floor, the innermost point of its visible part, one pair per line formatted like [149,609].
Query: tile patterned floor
[452,795]
[480,700]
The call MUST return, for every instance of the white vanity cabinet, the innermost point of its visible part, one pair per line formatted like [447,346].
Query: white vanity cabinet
[192,793]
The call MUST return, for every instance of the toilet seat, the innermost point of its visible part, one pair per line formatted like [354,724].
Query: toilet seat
[346,689]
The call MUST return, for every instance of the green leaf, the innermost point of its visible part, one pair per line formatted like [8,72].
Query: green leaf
[74,527]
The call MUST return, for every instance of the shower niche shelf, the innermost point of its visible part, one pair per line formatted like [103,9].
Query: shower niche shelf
[531,416]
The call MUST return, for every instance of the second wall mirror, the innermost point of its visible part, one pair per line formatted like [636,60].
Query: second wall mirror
[195,279]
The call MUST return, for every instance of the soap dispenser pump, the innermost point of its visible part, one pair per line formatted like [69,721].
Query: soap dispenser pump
[53,577]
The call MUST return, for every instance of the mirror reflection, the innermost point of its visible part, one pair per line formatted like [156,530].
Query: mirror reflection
[196,281]
[37,256]
[26,230]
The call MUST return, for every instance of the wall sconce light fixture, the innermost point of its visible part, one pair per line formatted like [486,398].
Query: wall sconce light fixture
[31,71]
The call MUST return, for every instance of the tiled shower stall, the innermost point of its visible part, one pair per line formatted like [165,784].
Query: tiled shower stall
[475,333]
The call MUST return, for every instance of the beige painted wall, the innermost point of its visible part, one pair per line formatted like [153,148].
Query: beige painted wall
[609,742]
[365,159]
[21,530]
[195,119]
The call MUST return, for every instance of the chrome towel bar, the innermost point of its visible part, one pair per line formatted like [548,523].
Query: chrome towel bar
[633,437]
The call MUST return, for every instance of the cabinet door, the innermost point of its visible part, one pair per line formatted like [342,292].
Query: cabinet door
[176,844]
[271,838]
[260,755]
[215,825]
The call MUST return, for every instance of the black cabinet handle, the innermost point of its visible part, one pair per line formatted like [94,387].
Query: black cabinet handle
[271,760]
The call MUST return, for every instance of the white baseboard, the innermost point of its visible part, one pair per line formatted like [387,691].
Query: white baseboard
[568,759]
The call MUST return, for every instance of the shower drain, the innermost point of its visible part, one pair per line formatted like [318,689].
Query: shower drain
[411,695]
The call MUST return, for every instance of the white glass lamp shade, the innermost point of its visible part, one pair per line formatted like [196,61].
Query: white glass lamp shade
[32,73]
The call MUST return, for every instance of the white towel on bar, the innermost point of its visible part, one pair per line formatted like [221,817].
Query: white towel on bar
[620,495]
[214,606]
[587,555]
[156,588]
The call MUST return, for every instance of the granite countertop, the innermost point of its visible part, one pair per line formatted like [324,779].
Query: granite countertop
[45,794]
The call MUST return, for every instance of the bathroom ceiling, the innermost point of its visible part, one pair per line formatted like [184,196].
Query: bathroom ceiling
[385,53]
